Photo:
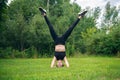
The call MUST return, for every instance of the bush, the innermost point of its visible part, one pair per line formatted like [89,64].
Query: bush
[6,53]
[102,43]
[31,52]
[12,53]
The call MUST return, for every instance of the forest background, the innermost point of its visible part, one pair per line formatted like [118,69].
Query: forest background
[24,33]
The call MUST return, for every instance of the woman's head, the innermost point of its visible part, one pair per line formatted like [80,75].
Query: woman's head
[59,63]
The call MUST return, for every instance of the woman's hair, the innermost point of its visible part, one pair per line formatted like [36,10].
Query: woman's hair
[60,66]
[59,63]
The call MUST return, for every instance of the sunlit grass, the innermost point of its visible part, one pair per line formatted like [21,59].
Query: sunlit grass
[89,68]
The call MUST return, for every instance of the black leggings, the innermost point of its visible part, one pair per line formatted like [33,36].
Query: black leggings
[65,35]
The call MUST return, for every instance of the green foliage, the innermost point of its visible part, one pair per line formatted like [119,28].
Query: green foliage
[9,52]
[89,32]
[3,18]
[118,54]
[70,49]
[3,11]
[24,33]
[27,28]
[115,32]
[102,43]
[110,15]
[31,52]
[6,53]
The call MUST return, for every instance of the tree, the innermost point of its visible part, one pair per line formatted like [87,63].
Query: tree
[110,15]
[3,11]
[26,27]
[3,18]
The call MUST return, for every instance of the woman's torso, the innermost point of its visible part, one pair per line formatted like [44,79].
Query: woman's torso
[60,48]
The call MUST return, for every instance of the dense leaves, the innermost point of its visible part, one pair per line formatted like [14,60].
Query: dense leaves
[24,33]
[3,18]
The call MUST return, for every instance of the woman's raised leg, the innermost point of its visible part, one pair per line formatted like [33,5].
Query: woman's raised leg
[52,31]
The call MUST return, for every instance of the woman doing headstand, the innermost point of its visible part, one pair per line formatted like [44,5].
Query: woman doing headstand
[60,41]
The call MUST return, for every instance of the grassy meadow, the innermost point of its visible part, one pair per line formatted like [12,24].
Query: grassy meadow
[88,68]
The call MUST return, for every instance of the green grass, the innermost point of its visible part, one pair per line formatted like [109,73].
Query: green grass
[90,68]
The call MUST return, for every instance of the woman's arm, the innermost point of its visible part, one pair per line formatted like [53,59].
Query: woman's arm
[53,62]
[66,62]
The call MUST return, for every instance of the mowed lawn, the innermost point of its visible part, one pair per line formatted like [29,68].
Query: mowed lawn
[89,68]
